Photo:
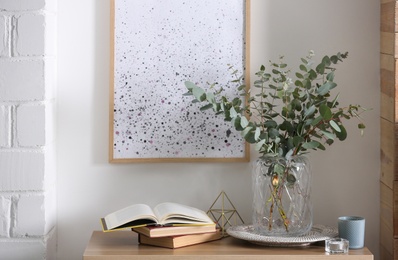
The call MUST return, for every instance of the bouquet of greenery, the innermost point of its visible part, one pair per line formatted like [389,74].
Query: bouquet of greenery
[287,117]
[284,117]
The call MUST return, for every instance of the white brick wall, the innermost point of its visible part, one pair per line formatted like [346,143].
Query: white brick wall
[31,121]
[31,35]
[30,216]
[26,78]
[27,119]
[5,126]
[21,170]
[3,37]
[32,249]
[5,216]
[22,5]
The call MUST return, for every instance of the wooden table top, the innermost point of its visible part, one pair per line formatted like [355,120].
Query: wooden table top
[123,245]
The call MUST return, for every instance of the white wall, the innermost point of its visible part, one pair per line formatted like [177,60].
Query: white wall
[346,176]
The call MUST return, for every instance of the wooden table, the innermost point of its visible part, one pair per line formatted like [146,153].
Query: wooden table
[123,245]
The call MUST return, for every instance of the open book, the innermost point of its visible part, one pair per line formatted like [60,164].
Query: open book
[165,214]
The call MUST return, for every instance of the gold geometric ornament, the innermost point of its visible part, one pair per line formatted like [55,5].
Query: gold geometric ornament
[224,213]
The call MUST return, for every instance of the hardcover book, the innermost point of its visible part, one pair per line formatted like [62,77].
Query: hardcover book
[164,231]
[179,241]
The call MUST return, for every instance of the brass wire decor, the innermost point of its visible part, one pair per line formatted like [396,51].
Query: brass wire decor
[224,215]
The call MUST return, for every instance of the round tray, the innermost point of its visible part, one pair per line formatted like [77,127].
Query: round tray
[317,233]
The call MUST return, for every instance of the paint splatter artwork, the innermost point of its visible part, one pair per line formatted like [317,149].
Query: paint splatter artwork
[158,45]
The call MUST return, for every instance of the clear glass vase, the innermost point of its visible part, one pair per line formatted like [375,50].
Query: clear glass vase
[281,196]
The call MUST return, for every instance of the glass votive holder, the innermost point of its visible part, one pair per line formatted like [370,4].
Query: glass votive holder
[336,246]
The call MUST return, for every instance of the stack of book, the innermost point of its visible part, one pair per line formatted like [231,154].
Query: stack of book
[170,225]
[176,236]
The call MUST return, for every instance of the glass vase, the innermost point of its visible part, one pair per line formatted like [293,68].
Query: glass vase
[281,196]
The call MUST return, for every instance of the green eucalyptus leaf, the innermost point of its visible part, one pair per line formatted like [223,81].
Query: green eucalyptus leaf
[222,106]
[227,115]
[236,102]
[290,144]
[217,107]
[247,130]
[279,169]
[303,68]
[250,138]
[335,126]
[311,145]
[259,145]
[273,115]
[237,123]
[244,122]
[298,83]
[307,84]
[328,135]
[321,147]
[257,133]
[299,128]
[275,71]
[206,107]
[334,103]
[326,61]
[325,111]
[324,89]
[316,121]
[320,68]
[264,136]
[273,133]
[210,97]
[270,123]
[199,94]
[233,113]
[312,75]
[330,76]
[283,125]
[334,59]
[297,140]
[241,87]
[296,105]
[291,115]
[309,111]
[342,135]
[189,85]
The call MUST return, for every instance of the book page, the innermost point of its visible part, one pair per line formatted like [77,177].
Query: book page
[168,211]
[128,214]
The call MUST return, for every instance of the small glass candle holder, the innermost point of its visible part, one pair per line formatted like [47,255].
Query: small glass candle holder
[336,246]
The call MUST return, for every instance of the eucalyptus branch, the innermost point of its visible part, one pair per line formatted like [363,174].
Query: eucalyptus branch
[306,119]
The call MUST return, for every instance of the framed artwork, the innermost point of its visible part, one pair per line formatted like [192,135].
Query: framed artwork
[157,45]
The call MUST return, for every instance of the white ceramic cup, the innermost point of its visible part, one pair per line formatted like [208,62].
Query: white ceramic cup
[352,228]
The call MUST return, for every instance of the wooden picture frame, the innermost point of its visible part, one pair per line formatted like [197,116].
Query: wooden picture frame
[155,47]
